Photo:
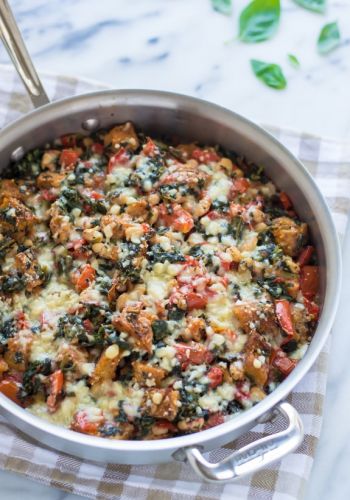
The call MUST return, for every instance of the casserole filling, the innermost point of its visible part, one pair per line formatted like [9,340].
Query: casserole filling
[148,290]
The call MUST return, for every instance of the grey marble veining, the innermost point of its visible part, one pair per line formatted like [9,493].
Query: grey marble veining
[183,46]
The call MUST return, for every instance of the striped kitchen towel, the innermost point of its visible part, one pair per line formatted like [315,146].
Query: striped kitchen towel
[329,163]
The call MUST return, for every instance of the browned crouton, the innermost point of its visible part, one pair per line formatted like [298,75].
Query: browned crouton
[122,135]
[289,235]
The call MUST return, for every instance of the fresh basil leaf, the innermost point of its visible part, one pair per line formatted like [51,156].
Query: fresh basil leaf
[329,38]
[294,61]
[314,5]
[271,74]
[222,6]
[259,20]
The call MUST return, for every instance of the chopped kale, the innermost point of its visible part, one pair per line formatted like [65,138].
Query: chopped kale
[160,329]
[175,313]
[32,382]
[149,171]
[266,237]
[122,416]
[5,245]
[276,289]
[220,206]
[28,167]
[144,424]
[256,173]
[157,254]
[113,337]
[12,283]
[109,430]
[104,284]
[236,228]
[69,199]
[234,406]
[290,346]
[64,264]
[170,192]
[7,330]
[129,270]
[189,404]
[196,251]
[271,252]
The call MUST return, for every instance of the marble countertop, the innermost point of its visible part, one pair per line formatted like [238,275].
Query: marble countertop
[184,46]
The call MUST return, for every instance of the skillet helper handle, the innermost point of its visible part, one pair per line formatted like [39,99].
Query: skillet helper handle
[14,44]
[254,456]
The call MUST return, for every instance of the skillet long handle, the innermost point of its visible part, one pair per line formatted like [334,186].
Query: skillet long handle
[17,50]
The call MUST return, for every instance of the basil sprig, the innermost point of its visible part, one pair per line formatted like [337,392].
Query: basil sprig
[222,6]
[314,5]
[329,38]
[269,73]
[259,20]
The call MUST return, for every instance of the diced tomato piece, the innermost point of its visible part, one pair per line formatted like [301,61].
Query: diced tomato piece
[95,195]
[165,424]
[97,148]
[48,194]
[215,376]
[196,301]
[88,325]
[81,423]
[309,281]
[285,200]
[214,215]
[56,388]
[182,221]
[239,186]
[79,253]
[192,353]
[21,321]
[312,308]
[10,389]
[177,218]
[305,256]
[149,148]
[69,140]
[76,244]
[225,264]
[282,362]
[119,159]
[236,209]
[214,419]
[205,155]
[284,316]
[69,157]
[84,277]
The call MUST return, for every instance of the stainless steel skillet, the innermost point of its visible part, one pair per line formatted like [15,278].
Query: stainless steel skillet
[190,119]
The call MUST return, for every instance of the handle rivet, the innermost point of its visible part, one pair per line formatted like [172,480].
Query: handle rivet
[17,154]
[91,124]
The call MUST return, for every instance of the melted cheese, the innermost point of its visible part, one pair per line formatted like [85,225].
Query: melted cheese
[220,310]
[219,187]
[55,297]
